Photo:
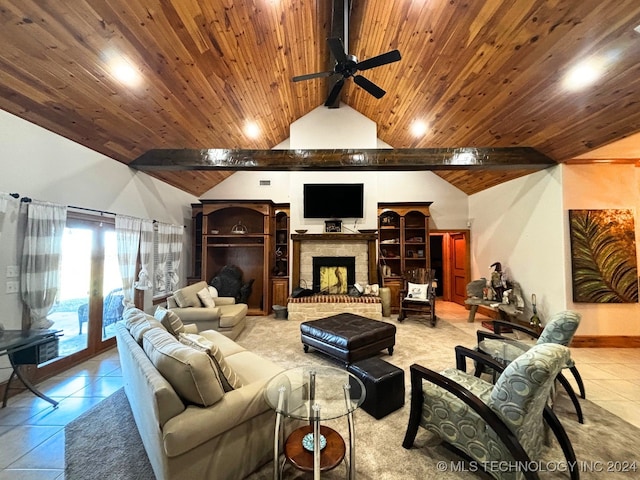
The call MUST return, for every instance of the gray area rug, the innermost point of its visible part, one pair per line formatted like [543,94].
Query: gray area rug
[104,444]
[604,442]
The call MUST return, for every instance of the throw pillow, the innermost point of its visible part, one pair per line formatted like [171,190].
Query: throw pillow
[140,328]
[205,297]
[229,378]
[171,302]
[187,297]
[417,291]
[170,320]
[191,373]
[213,291]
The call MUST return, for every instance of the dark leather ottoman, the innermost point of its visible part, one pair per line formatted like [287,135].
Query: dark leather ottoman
[348,337]
[384,384]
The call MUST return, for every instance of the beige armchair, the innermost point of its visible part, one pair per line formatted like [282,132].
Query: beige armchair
[193,305]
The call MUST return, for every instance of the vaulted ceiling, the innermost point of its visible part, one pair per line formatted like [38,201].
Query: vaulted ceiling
[478,73]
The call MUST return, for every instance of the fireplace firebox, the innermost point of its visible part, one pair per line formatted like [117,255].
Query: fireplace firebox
[333,275]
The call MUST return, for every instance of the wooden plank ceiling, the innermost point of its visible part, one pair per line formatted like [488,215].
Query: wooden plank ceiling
[479,73]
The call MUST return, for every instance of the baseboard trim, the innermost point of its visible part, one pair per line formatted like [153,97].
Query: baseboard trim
[605,341]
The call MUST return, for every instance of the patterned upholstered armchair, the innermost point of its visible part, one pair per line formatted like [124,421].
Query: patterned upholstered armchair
[485,422]
[560,330]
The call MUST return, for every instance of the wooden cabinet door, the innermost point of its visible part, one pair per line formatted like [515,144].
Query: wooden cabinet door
[280,291]
[395,285]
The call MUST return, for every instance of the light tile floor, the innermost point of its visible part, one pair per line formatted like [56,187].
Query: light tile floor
[32,431]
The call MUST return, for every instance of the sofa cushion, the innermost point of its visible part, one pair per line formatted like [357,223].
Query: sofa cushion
[226,345]
[138,322]
[231,315]
[251,367]
[230,380]
[170,320]
[188,296]
[205,297]
[190,372]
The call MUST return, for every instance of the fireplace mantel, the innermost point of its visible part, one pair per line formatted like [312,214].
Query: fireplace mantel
[369,238]
[332,237]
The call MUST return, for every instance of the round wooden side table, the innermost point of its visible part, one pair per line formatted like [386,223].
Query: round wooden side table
[330,456]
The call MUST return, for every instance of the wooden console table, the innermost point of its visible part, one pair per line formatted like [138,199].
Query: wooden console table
[31,347]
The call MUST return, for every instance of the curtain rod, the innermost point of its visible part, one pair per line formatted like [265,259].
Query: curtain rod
[101,212]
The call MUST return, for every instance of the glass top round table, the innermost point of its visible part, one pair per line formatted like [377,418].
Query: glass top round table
[315,393]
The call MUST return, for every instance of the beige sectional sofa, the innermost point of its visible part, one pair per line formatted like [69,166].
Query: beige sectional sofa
[226,316]
[191,424]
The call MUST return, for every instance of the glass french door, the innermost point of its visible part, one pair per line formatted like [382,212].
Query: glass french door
[89,300]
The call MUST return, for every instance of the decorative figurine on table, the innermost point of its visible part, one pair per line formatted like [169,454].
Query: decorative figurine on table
[498,283]
[505,296]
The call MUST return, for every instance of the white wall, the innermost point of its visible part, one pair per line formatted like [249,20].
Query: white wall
[44,166]
[600,187]
[325,127]
[449,210]
[520,224]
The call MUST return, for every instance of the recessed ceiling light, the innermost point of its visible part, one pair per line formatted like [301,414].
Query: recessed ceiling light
[252,130]
[122,69]
[419,128]
[126,74]
[583,74]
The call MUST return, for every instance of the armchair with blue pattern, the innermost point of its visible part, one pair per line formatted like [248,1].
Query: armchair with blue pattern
[488,423]
[560,330]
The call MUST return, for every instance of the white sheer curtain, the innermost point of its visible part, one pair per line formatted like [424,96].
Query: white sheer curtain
[41,256]
[175,246]
[128,239]
[146,253]
[164,247]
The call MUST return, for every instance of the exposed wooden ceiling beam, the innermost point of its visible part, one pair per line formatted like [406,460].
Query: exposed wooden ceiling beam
[508,158]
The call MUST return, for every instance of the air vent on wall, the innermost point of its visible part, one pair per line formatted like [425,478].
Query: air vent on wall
[265,182]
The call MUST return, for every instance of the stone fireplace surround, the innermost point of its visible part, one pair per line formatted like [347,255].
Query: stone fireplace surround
[359,245]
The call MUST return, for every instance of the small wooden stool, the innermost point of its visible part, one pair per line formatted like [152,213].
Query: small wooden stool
[330,456]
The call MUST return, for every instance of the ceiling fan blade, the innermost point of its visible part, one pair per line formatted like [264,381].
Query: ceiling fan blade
[369,86]
[337,48]
[335,91]
[382,59]
[309,76]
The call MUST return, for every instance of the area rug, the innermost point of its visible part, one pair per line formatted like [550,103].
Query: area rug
[604,444]
[104,444]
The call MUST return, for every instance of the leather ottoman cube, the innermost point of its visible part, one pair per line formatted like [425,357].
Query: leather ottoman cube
[384,384]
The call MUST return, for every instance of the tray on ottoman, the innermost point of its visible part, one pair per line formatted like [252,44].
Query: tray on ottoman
[348,337]
[384,384]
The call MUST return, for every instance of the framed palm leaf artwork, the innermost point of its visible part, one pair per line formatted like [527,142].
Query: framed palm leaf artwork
[603,256]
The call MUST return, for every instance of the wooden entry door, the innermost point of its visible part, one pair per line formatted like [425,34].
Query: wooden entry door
[459,261]
[455,264]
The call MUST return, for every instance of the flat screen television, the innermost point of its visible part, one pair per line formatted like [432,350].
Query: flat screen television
[333,200]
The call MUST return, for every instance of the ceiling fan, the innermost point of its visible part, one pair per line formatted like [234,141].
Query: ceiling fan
[347,65]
